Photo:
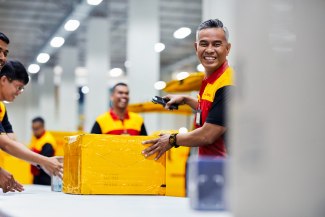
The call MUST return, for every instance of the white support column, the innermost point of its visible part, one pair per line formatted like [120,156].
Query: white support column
[143,33]
[97,64]
[278,119]
[68,59]
[48,107]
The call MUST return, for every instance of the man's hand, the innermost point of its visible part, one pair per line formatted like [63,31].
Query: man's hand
[52,166]
[159,146]
[8,183]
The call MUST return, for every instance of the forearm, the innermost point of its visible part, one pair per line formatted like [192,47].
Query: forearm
[11,136]
[205,135]
[192,102]
[20,151]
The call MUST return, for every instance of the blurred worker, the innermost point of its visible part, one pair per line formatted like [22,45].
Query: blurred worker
[212,48]
[13,78]
[118,120]
[42,143]
[4,42]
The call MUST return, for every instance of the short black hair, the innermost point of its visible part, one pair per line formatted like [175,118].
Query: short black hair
[15,70]
[4,38]
[213,23]
[38,119]
[119,84]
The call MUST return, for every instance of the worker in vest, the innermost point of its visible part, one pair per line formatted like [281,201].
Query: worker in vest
[42,143]
[212,48]
[13,78]
[118,120]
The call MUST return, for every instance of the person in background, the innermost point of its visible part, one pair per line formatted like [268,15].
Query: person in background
[212,48]
[13,78]
[118,120]
[42,143]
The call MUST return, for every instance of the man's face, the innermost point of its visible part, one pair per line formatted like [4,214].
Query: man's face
[120,97]
[212,48]
[10,89]
[38,129]
[3,53]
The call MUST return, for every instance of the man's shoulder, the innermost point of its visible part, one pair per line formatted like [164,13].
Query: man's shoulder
[104,115]
[135,115]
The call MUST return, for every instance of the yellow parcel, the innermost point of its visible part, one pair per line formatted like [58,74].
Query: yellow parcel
[106,164]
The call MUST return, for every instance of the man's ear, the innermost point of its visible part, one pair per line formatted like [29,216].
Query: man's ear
[228,48]
[3,79]
[195,46]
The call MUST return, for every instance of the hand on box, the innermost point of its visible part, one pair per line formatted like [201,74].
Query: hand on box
[159,146]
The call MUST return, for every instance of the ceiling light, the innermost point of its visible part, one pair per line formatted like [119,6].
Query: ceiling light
[182,33]
[81,72]
[182,75]
[57,42]
[127,64]
[200,68]
[71,25]
[85,89]
[94,2]
[182,130]
[43,57]
[115,72]
[159,85]
[58,70]
[159,47]
[33,68]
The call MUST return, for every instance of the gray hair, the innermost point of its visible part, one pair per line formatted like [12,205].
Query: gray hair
[212,23]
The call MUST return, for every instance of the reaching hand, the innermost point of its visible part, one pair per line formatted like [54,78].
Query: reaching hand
[160,146]
[52,166]
[8,183]
[174,99]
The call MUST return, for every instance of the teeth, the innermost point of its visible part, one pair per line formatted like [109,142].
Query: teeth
[209,58]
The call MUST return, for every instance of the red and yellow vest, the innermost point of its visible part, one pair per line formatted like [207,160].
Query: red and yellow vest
[210,85]
[110,123]
[37,144]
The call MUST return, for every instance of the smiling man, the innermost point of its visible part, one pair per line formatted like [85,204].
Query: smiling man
[212,48]
[118,121]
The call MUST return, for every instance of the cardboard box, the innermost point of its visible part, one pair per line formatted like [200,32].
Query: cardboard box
[106,164]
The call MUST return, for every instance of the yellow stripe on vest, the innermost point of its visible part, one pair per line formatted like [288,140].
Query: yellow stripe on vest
[2,111]
[225,79]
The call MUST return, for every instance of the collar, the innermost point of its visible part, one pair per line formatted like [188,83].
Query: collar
[215,75]
[41,135]
[116,117]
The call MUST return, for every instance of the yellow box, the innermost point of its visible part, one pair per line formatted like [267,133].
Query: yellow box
[176,159]
[60,141]
[106,164]
[176,171]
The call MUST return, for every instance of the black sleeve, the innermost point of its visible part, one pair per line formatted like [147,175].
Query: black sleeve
[2,130]
[6,124]
[47,150]
[217,113]
[143,131]
[96,129]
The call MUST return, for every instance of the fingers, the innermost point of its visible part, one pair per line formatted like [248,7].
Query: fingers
[18,187]
[149,151]
[153,141]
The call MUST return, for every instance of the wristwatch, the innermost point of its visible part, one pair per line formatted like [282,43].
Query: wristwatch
[173,140]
